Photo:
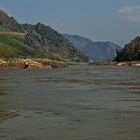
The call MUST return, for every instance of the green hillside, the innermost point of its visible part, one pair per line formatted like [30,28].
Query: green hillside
[130,51]
[12,47]
[49,42]
[26,40]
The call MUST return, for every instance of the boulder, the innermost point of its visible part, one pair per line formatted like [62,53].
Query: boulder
[136,65]
[2,61]
[52,63]
[31,64]
[23,64]
[13,64]
[121,64]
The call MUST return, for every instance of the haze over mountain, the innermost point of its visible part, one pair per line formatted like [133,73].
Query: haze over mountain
[94,50]
[27,40]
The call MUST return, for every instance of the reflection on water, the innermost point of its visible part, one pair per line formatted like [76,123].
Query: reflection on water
[79,103]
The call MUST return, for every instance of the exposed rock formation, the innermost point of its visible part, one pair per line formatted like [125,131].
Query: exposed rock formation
[2,62]
[52,63]
[31,64]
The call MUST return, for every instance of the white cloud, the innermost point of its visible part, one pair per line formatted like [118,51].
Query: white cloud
[131,13]
[130,10]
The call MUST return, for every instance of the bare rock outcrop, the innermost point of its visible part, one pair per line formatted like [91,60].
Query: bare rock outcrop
[31,64]
[52,63]
[2,62]
[129,63]
[22,64]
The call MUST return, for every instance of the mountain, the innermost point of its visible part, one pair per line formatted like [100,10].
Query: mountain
[131,51]
[26,40]
[94,50]
[9,23]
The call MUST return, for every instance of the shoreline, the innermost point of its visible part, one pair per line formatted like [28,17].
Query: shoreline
[135,63]
[20,63]
[45,63]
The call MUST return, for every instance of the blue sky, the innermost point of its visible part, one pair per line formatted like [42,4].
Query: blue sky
[99,20]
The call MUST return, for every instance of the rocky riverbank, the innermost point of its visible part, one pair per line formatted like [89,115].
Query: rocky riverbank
[46,63]
[129,63]
[31,63]
[115,63]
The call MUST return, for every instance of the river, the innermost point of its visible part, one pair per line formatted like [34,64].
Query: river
[77,103]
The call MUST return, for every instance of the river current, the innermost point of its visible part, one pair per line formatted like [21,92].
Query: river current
[77,103]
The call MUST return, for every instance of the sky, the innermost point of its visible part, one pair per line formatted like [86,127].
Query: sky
[99,20]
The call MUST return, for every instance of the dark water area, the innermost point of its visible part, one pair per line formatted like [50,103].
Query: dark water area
[76,103]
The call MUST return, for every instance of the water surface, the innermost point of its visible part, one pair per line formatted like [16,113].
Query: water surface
[78,103]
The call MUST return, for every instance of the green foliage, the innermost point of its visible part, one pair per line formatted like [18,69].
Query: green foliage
[48,41]
[7,51]
[130,52]
[11,47]
[23,40]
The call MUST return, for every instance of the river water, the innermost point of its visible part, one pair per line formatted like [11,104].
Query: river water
[77,103]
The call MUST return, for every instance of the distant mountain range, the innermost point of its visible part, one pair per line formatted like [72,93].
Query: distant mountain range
[26,40]
[94,50]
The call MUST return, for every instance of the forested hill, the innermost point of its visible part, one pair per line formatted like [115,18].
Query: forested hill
[26,40]
[130,51]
